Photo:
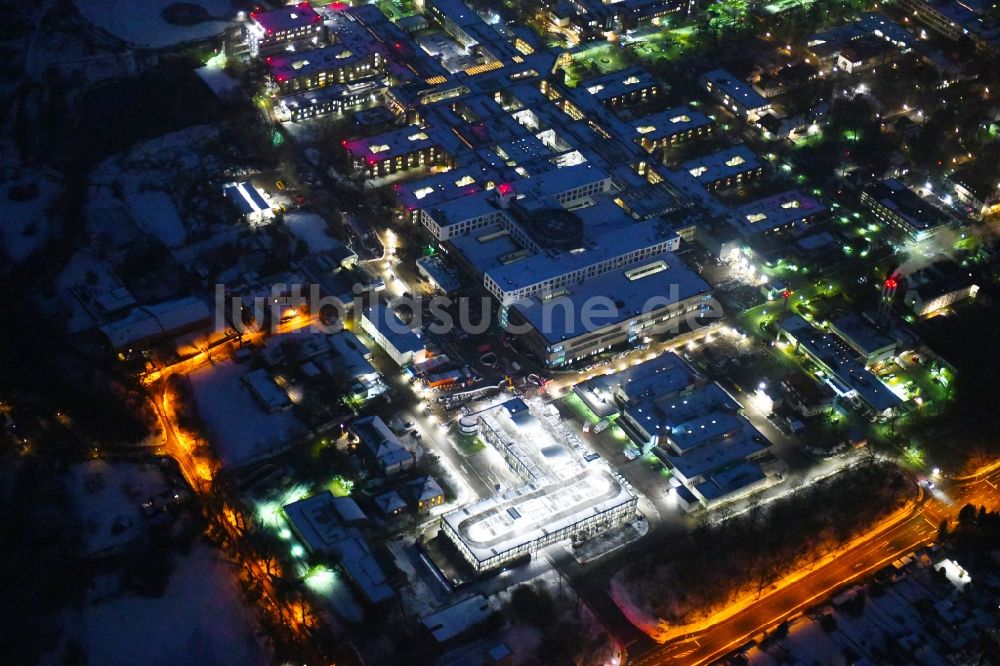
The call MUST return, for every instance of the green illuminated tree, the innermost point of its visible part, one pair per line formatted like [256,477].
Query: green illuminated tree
[728,15]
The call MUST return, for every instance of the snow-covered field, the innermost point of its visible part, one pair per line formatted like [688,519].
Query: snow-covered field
[223,85]
[241,431]
[144,184]
[24,226]
[142,23]
[106,498]
[154,211]
[312,229]
[200,619]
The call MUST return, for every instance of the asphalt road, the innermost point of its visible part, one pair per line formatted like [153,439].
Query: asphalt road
[862,560]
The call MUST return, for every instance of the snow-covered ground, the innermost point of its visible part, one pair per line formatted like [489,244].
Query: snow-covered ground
[154,211]
[240,430]
[144,187]
[200,619]
[83,271]
[142,23]
[106,499]
[220,83]
[24,225]
[312,229]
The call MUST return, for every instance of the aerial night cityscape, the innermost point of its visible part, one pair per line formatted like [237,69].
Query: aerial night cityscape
[500,332]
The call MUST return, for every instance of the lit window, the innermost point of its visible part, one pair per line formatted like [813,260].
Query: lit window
[735,161]
[645,129]
[790,204]
[698,171]
[381,148]
[680,119]
[423,192]
[419,136]
[593,90]
[756,217]
[631,81]
[464,180]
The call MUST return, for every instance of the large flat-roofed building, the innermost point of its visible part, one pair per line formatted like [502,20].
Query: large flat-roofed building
[938,286]
[564,494]
[872,345]
[249,202]
[335,98]
[547,270]
[501,529]
[736,95]
[321,67]
[695,426]
[671,127]
[398,340]
[440,188]
[787,211]
[629,86]
[909,217]
[728,167]
[839,367]
[657,295]
[406,148]
[284,29]
[554,251]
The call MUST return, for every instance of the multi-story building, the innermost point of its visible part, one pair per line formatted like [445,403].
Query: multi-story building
[399,150]
[335,98]
[629,86]
[736,95]
[728,167]
[908,216]
[693,425]
[321,67]
[842,372]
[399,341]
[287,28]
[565,495]
[671,127]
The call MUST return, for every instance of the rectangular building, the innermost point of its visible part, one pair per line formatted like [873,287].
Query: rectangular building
[728,167]
[736,95]
[399,341]
[321,67]
[908,216]
[671,127]
[284,29]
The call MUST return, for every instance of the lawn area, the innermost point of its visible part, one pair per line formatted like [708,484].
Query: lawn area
[469,444]
[395,9]
[664,44]
[339,486]
[576,405]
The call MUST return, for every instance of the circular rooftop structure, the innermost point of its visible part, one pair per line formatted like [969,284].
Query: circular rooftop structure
[555,228]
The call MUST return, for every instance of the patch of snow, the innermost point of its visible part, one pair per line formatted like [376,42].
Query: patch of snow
[154,211]
[82,271]
[106,498]
[240,430]
[24,225]
[312,229]
[220,83]
[142,23]
[200,619]
[642,618]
